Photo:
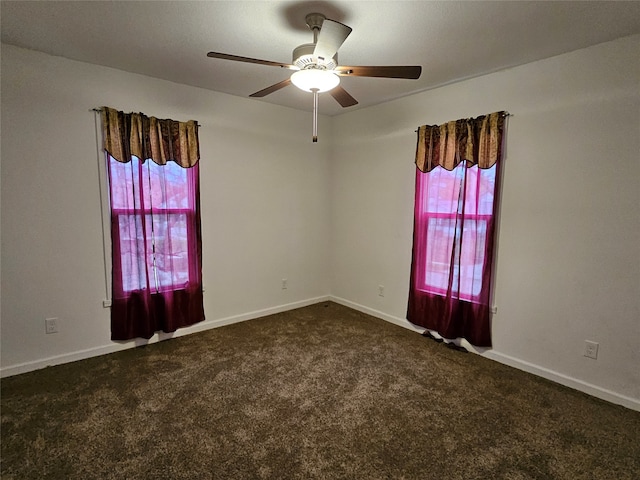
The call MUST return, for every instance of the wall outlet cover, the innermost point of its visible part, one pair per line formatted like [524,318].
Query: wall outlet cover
[591,349]
[51,325]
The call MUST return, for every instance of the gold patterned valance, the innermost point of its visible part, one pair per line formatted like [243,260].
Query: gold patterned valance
[127,134]
[478,141]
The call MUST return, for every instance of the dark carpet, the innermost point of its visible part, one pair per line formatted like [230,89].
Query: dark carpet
[321,392]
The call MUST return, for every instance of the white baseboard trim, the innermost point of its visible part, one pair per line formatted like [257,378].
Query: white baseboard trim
[119,346]
[576,384]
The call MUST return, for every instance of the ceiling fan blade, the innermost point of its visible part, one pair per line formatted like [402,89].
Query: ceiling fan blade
[273,88]
[236,58]
[408,71]
[343,97]
[332,36]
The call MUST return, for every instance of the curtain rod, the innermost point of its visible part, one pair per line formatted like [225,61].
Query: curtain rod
[506,114]
[98,110]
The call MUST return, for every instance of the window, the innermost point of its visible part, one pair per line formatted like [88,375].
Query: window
[455,241]
[458,167]
[153,211]
[156,244]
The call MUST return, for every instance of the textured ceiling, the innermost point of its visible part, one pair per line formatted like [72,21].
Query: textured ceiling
[451,40]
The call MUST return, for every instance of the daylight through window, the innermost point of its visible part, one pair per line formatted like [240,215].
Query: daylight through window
[454,239]
[152,209]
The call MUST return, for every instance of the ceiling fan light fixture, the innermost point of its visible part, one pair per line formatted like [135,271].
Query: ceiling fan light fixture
[312,79]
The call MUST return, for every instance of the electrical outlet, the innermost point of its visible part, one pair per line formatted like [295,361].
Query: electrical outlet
[51,325]
[381,290]
[285,283]
[591,349]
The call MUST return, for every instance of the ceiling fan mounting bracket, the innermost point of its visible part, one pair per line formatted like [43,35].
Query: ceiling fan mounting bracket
[315,20]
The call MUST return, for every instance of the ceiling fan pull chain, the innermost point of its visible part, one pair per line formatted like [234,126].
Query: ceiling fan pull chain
[315,114]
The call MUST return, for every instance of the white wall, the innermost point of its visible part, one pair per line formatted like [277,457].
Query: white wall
[336,217]
[264,196]
[569,244]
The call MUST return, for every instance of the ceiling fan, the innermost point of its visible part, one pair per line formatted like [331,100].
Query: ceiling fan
[316,66]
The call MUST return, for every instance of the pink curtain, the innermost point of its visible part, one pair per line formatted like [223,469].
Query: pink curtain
[155,228]
[457,178]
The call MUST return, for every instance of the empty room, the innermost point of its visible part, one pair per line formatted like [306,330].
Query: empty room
[320,240]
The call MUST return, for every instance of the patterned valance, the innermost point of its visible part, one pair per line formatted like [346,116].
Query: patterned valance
[127,134]
[478,141]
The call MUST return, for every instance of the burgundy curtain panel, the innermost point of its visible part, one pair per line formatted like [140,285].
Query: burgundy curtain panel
[458,167]
[155,223]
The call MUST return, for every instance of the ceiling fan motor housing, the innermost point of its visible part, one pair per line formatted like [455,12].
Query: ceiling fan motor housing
[303,58]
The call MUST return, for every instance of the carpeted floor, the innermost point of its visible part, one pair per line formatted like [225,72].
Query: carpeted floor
[322,392]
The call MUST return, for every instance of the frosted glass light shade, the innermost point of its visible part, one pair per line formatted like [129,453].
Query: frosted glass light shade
[314,78]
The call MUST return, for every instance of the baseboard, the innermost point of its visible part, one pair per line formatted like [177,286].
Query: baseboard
[116,347]
[574,383]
